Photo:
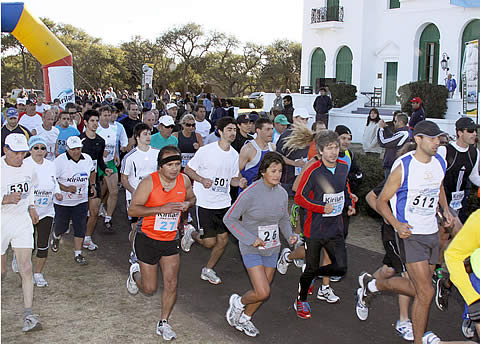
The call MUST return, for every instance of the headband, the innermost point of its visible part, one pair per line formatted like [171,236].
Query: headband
[169,159]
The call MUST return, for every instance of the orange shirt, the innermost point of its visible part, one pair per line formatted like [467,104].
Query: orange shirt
[163,227]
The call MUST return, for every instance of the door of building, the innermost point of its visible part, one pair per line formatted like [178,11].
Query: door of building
[391,83]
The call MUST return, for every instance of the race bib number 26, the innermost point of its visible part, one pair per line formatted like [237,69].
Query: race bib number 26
[269,234]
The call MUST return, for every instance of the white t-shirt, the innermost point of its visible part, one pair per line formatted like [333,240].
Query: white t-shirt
[203,128]
[74,173]
[220,166]
[17,179]
[110,136]
[137,165]
[40,108]
[45,188]
[415,202]
[31,122]
[50,137]
[121,134]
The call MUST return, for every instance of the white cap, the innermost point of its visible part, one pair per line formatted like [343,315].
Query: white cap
[166,120]
[74,142]
[171,105]
[302,112]
[46,107]
[21,101]
[16,143]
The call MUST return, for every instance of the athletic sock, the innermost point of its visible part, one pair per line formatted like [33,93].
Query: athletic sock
[27,312]
[77,253]
[324,287]
[87,238]
[244,318]
[372,286]
[238,303]
[108,218]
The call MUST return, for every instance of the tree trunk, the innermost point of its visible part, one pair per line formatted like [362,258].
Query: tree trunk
[24,67]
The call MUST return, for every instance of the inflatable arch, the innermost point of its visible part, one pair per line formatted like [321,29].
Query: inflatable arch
[45,47]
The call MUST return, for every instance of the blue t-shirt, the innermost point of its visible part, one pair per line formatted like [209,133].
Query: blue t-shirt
[64,134]
[158,141]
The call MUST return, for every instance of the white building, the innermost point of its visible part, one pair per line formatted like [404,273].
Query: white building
[384,43]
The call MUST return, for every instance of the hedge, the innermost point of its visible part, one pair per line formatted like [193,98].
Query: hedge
[342,94]
[434,98]
[244,103]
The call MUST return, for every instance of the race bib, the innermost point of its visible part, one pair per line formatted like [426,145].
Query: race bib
[337,200]
[111,151]
[19,187]
[220,185]
[269,234]
[424,204]
[186,157]
[43,198]
[81,193]
[457,198]
[166,222]
[299,169]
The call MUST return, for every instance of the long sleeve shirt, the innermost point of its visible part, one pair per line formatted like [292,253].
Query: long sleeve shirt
[322,104]
[417,116]
[260,208]
[392,144]
[369,140]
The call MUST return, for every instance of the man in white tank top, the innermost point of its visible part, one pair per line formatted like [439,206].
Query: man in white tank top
[414,188]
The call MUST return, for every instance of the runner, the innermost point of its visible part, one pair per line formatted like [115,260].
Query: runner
[76,177]
[202,126]
[214,168]
[188,140]
[323,192]
[414,188]
[94,146]
[65,131]
[140,162]
[49,133]
[257,233]
[158,202]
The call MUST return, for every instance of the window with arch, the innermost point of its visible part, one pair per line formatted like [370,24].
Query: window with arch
[317,70]
[343,71]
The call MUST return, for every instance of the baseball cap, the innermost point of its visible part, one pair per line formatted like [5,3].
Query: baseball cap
[463,123]
[74,142]
[302,112]
[246,118]
[16,142]
[342,129]
[21,101]
[11,112]
[427,128]
[35,140]
[171,105]
[416,100]
[108,95]
[282,120]
[166,120]
[475,262]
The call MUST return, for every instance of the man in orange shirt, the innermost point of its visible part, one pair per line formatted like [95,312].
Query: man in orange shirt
[158,202]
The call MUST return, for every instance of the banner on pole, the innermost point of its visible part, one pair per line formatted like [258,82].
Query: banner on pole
[470,88]
[61,84]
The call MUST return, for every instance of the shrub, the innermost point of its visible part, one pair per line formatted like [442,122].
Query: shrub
[243,103]
[342,94]
[372,170]
[434,98]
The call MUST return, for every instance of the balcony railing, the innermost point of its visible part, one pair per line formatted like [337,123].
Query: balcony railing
[327,14]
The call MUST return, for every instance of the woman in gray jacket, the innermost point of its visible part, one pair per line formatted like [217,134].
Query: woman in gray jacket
[255,219]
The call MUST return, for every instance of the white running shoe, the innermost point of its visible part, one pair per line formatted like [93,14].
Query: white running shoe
[39,281]
[90,245]
[282,263]
[210,275]
[31,323]
[131,284]
[327,294]
[248,328]
[14,264]
[404,329]
[468,328]
[187,239]
[165,330]
[430,338]
[360,307]
[233,312]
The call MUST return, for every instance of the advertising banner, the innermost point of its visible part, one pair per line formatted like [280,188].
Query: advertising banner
[465,3]
[470,78]
[61,84]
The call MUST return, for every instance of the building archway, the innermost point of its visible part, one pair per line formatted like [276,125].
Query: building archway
[429,52]
[343,70]
[470,33]
[317,67]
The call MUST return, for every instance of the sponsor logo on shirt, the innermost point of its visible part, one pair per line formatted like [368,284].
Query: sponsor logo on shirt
[78,178]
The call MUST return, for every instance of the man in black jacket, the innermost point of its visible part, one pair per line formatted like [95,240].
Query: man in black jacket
[288,107]
[322,105]
[418,114]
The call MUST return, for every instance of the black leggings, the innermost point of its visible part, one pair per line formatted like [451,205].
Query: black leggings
[42,233]
[335,248]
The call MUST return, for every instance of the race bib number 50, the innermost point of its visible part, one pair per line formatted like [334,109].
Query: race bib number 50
[166,222]
[220,185]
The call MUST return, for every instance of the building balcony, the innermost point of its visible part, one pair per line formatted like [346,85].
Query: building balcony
[327,17]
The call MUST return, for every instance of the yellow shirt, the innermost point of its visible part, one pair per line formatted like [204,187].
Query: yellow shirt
[462,246]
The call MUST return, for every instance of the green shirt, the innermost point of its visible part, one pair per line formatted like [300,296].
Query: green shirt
[158,141]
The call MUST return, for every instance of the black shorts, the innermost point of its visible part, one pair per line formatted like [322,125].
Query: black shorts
[211,221]
[150,251]
[392,254]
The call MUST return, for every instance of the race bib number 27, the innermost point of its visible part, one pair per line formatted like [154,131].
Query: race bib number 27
[166,222]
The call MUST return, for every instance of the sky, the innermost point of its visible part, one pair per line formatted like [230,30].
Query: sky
[258,21]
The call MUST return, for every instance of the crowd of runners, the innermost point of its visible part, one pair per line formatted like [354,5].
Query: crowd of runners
[192,177]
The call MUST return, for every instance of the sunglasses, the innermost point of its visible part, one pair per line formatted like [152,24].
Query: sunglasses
[470,130]
[37,148]
[169,126]
[191,125]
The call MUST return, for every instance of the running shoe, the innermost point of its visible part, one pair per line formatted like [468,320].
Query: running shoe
[327,294]
[39,281]
[133,258]
[90,245]
[102,212]
[430,338]
[31,323]
[441,294]
[187,239]
[14,263]
[404,329]
[360,308]
[468,328]
[248,328]
[294,215]
[165,330]
[311,288]
[299,262]
[362,295]
[55,244]
[233,312]
[282,264]
[210,275]
[80,259]
[131,284]
[335,278]
[303,309]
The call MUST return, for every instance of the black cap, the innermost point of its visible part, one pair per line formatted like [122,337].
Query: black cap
[341,129]
[31,101]
[244,119]
[427,128]
[465,123]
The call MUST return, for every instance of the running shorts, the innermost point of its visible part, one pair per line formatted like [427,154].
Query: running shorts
[149,251]
[419,247]
[211,221]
